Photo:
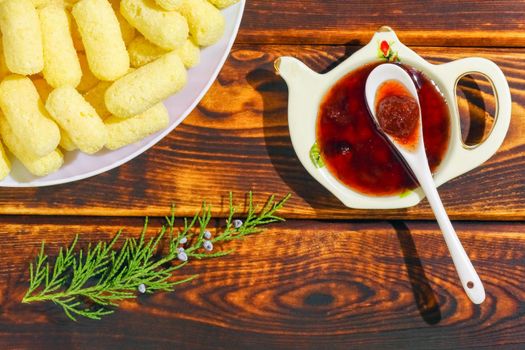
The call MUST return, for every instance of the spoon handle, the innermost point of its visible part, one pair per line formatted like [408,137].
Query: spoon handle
[467,274]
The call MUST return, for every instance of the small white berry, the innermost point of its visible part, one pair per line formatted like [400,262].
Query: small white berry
[142,288]
[237,223]
[182,256]
[208,245]
[180,250]
[183,240]
[207,234]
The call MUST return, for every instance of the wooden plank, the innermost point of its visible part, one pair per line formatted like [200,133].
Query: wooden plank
[300,284]
[237,140]
[424,23]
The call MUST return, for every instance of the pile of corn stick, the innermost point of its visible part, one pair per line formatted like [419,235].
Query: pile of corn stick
[88,74]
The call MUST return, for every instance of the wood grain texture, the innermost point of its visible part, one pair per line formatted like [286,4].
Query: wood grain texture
[300,284]
[424,22]
[237,140]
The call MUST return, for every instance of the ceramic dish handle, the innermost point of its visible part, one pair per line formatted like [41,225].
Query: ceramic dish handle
[471,157]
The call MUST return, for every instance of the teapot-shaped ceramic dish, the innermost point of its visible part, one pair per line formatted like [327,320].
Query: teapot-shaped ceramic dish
[308,88]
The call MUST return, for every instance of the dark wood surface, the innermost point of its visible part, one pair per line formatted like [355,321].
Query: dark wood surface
[303,284]
[245,145]
[424,22]
[330,277]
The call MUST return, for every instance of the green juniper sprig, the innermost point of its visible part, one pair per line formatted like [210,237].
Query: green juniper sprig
[91,282]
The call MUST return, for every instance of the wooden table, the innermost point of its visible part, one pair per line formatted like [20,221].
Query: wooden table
[330,277]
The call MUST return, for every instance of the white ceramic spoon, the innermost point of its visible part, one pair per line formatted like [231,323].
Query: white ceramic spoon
[416,159]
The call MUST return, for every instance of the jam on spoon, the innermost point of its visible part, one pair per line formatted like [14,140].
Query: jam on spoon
[397,112]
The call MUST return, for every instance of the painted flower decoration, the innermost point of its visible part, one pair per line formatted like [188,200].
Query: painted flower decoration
[385,48]
[385,51]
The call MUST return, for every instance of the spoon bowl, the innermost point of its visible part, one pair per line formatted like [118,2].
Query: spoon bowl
[380,76]
[415,157]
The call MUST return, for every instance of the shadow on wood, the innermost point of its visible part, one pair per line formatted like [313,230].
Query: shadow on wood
[350,48]
[477,108]
[426,300]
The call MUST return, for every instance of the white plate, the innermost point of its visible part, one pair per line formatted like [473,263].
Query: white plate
[79,166]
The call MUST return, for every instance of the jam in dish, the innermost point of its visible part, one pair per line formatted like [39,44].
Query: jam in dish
[357,153]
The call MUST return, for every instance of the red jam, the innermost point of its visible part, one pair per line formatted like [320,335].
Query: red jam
[357,153]
[397,113]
